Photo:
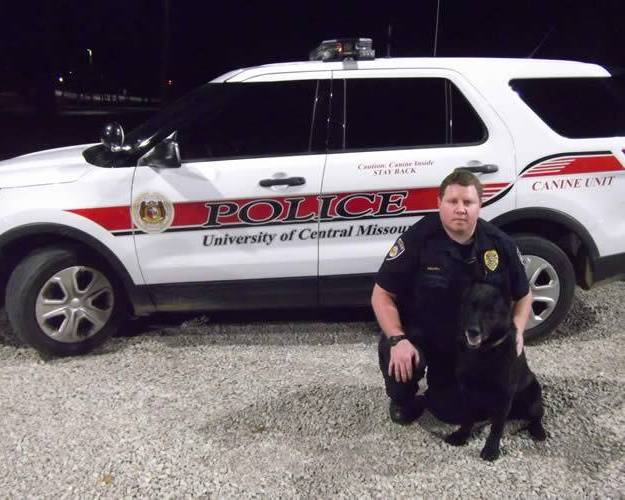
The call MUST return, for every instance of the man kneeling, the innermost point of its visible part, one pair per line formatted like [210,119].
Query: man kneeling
[416,298]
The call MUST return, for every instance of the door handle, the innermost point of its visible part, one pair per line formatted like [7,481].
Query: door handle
[480,169]
[286,181]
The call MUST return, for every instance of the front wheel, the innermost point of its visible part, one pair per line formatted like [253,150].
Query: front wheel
[62,303]
[552,283]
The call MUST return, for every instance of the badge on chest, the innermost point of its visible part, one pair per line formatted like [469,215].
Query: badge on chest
[491,260]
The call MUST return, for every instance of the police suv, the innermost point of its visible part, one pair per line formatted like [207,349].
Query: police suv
[285,185]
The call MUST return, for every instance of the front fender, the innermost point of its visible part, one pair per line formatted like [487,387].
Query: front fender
[21,238]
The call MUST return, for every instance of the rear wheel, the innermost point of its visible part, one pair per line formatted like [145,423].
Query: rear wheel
[552,283]
[62,303]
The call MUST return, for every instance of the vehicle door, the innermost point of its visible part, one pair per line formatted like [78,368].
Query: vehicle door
[395,134]
[222,230]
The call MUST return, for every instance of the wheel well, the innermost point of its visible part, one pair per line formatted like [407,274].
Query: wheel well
[14,252]
[564,237]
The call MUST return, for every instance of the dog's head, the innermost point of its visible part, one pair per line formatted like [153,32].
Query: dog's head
[486,314]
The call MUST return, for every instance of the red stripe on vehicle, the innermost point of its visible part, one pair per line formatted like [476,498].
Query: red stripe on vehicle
[190,213]
[286,209]
[111,218]
[575,165]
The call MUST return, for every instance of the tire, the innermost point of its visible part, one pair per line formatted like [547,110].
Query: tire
[62,303]
[552,283]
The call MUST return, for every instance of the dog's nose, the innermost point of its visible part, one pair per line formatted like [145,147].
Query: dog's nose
[473,332]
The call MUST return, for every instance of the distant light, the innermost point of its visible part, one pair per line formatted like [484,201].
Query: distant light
[60,79]
[170,82]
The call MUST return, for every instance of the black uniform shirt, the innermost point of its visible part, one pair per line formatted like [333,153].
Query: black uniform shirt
[429,272]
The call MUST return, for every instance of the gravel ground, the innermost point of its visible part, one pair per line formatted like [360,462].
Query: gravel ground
[213,407]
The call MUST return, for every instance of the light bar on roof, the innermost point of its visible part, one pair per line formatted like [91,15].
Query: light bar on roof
[341,49]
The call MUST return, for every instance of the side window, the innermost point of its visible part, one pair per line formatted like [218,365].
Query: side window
[407,112]
[257,119]
[577,107]
[465,126]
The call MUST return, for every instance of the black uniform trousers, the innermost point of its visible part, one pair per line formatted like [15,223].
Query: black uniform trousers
[443,397]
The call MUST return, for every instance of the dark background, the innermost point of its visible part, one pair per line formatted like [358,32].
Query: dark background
[160,49]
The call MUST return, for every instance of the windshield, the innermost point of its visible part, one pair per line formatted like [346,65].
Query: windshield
[207,100]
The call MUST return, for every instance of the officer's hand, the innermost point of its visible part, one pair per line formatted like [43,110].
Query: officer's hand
[519,344]
[404,356]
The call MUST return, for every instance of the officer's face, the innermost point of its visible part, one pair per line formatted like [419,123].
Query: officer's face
[459,210]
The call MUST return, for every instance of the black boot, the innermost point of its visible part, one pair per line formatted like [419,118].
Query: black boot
[406,413]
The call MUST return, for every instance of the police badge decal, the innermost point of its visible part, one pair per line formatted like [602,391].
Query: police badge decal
[152,212]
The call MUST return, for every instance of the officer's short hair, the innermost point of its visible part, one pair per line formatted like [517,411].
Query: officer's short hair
[462,178]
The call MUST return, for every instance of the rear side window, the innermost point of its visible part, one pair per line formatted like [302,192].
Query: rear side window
[405,112]
[577,107]
[253,119]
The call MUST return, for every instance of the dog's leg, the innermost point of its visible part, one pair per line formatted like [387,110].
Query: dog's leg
[536,430]
[460,436]
[535,412]
[491,451]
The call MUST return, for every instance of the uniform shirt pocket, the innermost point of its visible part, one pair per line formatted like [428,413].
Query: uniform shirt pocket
[434,276]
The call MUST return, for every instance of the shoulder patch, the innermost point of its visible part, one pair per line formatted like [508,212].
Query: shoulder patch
[396,250]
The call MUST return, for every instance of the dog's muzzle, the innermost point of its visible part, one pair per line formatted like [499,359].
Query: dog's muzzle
[473,336]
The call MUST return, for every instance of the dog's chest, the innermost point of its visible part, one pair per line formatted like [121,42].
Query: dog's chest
[485,375]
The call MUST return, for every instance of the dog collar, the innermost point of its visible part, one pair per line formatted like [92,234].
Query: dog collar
[499,342]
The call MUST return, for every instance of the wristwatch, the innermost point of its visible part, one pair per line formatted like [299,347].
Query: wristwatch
[395,339]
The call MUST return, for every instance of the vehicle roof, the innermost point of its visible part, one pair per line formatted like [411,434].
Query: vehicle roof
[506,68]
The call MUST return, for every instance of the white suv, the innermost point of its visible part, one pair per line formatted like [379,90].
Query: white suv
[284,186]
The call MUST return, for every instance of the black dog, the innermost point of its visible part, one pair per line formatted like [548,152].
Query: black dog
[494,383]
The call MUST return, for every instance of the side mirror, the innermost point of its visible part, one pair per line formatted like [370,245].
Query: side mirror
[166,154]
[112,136]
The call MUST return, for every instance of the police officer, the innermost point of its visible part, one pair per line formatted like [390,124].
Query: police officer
[417,295]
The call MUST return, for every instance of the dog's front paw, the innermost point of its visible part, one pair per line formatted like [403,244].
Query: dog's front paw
[490,453]
[537,431]
[458,438]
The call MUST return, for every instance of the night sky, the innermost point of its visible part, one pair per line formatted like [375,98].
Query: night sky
[45,39]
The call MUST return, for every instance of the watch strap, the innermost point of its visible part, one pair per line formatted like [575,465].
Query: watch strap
[393,340]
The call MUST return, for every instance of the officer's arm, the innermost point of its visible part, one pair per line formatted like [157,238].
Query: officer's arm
[521,315]
[385,308]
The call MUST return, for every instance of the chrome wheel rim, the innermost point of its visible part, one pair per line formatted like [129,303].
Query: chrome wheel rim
[545,288]
[74,304]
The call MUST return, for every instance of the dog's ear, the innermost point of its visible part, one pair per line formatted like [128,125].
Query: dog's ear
[506,306]
[505,293]
[467,291]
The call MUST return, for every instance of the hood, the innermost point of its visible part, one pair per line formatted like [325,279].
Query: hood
[53,166]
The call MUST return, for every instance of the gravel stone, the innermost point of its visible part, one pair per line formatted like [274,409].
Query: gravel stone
[211,406]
